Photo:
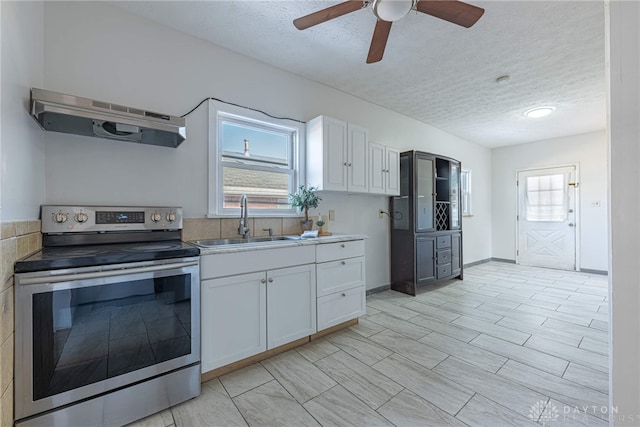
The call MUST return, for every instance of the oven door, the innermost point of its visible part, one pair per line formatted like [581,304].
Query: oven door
[83,332]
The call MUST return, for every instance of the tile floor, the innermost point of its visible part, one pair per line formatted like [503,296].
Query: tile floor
[509,345]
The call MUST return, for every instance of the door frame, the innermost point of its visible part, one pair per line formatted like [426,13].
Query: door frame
[578,219]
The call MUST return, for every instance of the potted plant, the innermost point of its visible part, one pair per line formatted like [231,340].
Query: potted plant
[304,199]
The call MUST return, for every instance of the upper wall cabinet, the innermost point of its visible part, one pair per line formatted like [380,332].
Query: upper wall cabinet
[384,170]
[337,155]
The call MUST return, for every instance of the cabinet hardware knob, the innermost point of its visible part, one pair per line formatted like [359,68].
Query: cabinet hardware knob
[343,263]
[263,280]
[344,164]
[342,245]
[570,224]
[344,295]
[270,279]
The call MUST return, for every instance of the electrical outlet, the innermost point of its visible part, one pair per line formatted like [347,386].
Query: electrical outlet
[380,213]
[332,215]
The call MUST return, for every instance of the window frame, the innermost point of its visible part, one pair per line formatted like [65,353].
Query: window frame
[218,111]
[465,191]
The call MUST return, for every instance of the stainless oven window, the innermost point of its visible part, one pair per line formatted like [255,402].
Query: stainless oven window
[89,334]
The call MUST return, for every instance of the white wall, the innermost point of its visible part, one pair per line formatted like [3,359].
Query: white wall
[589,151]
[99,51]
[22,149]
[623,22]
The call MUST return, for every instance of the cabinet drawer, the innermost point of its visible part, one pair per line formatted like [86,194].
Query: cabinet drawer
[340,307]
[339,275]
[443,257]
[444,271]
[443,242]
[334,251]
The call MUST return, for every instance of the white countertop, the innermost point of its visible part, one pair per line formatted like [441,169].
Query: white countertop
[256,246]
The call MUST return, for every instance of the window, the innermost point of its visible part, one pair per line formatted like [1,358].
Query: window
[546,198]
[252,154]
[465,192]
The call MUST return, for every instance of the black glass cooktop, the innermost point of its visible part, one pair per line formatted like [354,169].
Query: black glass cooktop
[58,257]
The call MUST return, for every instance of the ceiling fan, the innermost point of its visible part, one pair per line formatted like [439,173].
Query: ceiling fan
[389,11]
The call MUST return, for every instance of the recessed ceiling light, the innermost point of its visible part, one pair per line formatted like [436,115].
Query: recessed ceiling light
[536,113]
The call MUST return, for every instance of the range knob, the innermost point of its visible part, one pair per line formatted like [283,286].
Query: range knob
[81,217]
[60,217]
[171,216]
[155,217]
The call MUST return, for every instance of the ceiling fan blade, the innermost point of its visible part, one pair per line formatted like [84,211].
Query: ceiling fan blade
[456,12]
[379,41]
[327,14]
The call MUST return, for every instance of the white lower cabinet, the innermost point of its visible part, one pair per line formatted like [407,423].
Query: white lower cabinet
[340,274]
[253,301]
[233,319]
[291,304]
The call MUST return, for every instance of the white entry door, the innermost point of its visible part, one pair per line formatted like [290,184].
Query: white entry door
[546,218]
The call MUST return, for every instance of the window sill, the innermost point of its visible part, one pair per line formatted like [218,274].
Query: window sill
[468,215]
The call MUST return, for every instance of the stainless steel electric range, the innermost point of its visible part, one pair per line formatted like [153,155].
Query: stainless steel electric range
[107,317]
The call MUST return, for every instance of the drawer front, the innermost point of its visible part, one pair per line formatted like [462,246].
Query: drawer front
[443,242]
[444,271]
[340,307]
[339,275]
[443,257]
[232,263]
[334,251]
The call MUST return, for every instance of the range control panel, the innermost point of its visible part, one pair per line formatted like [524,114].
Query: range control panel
[76,219]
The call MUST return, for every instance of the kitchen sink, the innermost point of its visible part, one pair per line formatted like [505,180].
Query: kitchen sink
[241,241]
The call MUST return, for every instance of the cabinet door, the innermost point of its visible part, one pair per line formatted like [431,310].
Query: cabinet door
[454,196]
[392,171]
[357,144]
[456,254]
[291,304]
[377,174]
[233,319]
[425,259]
[334,135]
[424,193]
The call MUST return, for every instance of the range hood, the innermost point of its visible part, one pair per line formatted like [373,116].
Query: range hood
[81,116]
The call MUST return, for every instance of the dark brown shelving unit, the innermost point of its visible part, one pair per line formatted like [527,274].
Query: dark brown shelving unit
[426,231]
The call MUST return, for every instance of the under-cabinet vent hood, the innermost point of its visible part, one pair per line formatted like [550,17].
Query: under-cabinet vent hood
[81,116]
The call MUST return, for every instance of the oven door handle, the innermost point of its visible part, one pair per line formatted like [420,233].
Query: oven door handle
[105,273]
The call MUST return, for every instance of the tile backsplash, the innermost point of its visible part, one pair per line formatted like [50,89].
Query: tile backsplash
[225,228]
[17,240]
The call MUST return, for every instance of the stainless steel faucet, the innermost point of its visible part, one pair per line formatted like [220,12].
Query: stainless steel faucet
[243,230]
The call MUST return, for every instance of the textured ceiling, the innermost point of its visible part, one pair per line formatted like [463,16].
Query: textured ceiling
[432,70]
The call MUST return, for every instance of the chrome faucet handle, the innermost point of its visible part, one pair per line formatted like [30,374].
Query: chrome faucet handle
[270,230]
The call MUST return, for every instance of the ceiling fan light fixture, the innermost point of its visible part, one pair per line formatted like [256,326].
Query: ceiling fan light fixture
[536,113]
[392,10]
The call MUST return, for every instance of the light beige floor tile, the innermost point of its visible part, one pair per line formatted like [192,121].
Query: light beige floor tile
[587,377]
[570,353]
[413,350]
[594,346]
[366,328]
[359,347]
[213,408]
[558,388]
[431,386]
[317,349]
[403,327]
[528,356]
[245,379]
[492,329]
[599,324]
[369,385]
[434,312]
[298,376]
[570,416]
[499,389]
[466,352]
[458,332]
[472,312]
[409,409]
[392,309]
[271,405]
[553,314]
[337,407]
[553,335]
[480,411]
